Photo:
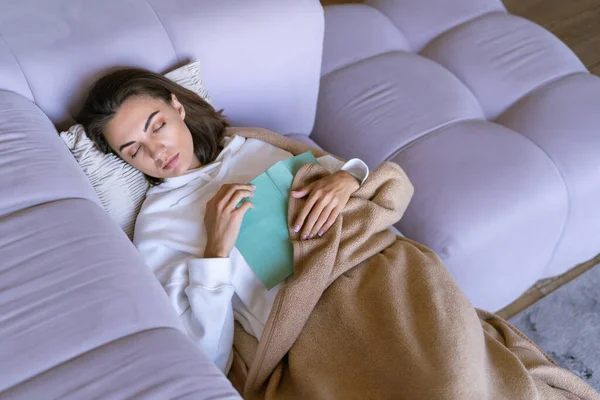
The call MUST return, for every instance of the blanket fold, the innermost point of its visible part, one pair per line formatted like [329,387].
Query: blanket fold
[370,315]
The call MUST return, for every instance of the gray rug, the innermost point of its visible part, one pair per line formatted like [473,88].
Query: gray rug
[566,325]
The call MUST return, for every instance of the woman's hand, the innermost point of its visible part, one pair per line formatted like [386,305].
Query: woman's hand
[327,198]
[223,220]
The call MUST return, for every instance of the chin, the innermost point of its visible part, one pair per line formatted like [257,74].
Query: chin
[173,172]
[182,167]
[179,170]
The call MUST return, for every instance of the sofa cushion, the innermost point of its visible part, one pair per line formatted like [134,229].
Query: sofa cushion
[489,202]
[372,108]
[501,58]
[355,32]
[71,282]
[261,58]
[563,119]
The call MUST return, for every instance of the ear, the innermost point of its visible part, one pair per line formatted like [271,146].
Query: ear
[177,106]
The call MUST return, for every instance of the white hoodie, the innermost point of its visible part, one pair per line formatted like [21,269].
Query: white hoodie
[210,293]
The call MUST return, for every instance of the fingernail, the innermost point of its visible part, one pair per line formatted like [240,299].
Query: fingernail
[304,237]
[312,235]
[321,233]
[253,186]
[297,228]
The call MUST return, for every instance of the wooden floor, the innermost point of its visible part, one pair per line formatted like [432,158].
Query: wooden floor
[544,288]
[577,23]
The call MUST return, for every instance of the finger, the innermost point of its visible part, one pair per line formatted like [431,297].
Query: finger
[313,216]
[247,205]
[226,192]
[229,189]
[312,199]
[298,194]
[238,196]
[330,221]
[323,218]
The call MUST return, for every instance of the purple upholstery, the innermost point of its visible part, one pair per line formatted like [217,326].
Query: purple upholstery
[260,59]
[423,20]
[378,114]
[562,119]
[470,206]
[495,121]
[373,35]
[73,43]
[501,58]
[153,364]
[493,118]
[36,166]
[75,291]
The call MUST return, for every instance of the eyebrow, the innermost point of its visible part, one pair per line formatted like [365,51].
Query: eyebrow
[125,145]
[149,120]
[145,129]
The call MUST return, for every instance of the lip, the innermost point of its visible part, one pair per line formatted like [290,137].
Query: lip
[171,162]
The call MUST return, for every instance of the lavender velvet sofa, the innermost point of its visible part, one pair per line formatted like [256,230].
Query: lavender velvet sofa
[494,120]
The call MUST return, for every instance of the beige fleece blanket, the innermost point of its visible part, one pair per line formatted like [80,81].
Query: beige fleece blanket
[370,315]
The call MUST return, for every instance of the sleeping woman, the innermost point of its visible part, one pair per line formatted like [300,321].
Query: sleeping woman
[189,223]
[367,314]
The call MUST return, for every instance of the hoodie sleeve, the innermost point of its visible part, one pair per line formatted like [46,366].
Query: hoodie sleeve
[200,291]
[210,294]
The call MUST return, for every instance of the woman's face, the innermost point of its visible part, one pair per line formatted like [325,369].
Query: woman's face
[152,136]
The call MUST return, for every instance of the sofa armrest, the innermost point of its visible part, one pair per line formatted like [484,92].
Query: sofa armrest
[35,166]
[77,305]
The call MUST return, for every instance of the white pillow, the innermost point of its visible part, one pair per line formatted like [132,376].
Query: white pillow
[190,77]
[120,187]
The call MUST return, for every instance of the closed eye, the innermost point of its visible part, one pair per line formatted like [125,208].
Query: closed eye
[136,152]
[160,127]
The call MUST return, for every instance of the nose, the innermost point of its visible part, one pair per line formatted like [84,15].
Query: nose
[157,151]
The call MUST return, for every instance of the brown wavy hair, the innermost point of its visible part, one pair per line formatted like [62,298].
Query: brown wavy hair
[109,92]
